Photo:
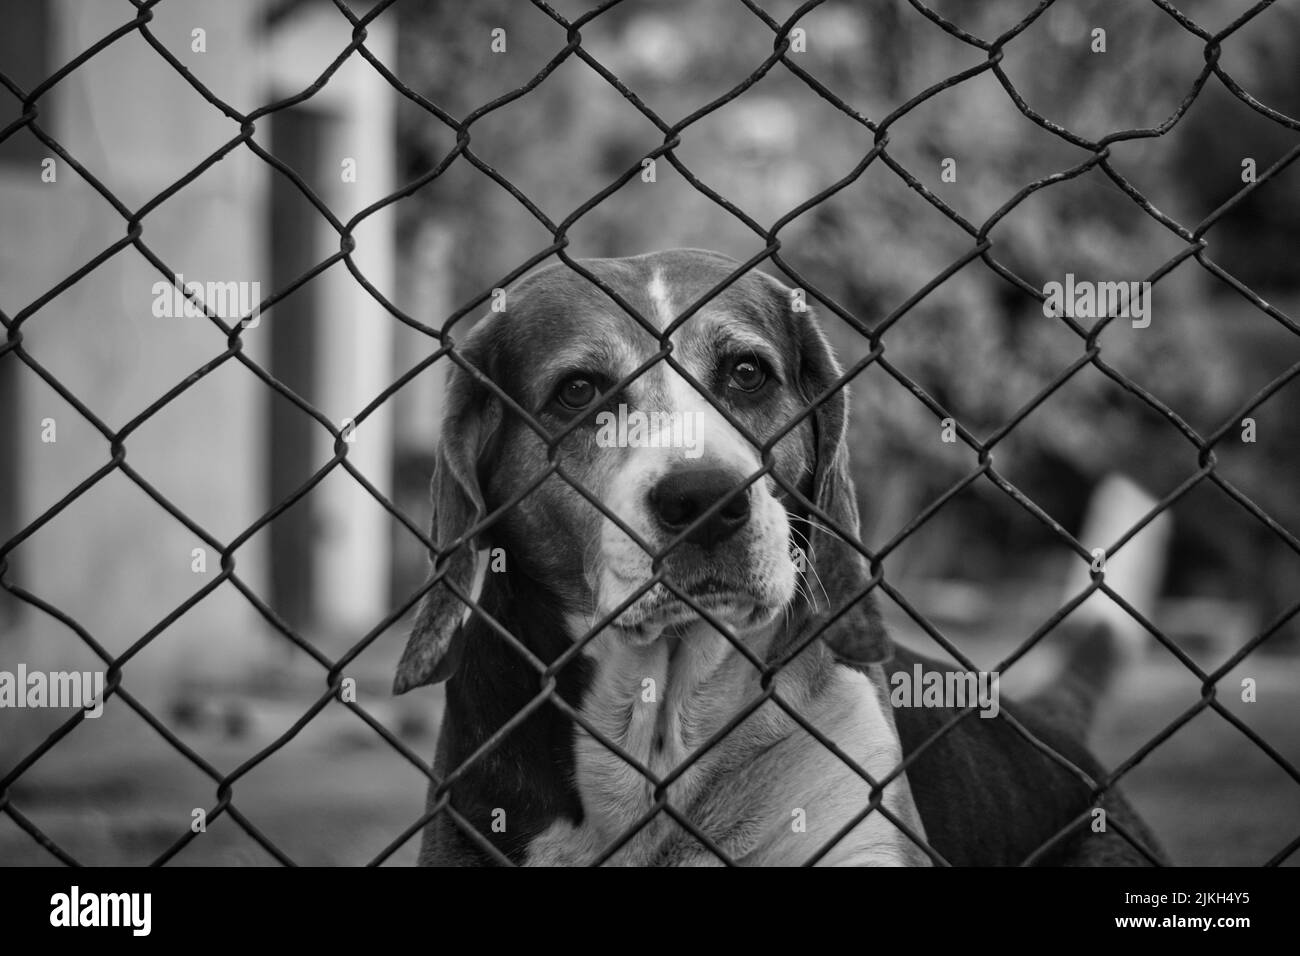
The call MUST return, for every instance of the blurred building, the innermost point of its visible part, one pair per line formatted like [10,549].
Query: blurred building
[227,449]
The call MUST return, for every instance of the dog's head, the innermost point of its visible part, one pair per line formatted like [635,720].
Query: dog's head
[682,486]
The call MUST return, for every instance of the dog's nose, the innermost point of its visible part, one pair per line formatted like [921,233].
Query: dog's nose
[680,497]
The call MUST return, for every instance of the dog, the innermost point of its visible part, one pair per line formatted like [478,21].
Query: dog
[685,665]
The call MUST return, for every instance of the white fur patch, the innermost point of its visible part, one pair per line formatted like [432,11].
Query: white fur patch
[830,794]
[661,299]
[476,589]
[624,565]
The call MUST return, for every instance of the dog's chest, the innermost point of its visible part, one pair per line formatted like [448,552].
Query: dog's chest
[764,792]
[657,706]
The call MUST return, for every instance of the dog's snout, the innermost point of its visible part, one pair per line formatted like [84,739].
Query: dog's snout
[678,499]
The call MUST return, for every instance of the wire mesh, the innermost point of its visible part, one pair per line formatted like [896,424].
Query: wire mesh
[982,247]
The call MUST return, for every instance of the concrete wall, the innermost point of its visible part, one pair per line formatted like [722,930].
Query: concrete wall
[114,560]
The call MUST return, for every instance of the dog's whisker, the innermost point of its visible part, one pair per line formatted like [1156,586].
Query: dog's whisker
[817,577]
[813,524]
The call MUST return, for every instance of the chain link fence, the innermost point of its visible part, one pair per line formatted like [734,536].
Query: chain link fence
[1200,450]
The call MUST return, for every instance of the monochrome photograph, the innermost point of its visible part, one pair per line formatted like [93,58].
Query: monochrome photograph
[651,433]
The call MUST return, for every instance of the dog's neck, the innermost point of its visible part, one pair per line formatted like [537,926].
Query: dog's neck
[662,700]
[687,709]
[691,711]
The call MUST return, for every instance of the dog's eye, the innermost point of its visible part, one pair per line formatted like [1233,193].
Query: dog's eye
[748,375]
[576,393]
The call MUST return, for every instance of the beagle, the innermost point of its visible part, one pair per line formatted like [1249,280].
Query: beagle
[685,658]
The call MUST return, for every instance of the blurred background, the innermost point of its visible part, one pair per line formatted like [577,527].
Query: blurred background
[982,570]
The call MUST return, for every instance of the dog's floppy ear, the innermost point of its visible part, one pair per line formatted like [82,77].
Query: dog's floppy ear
[841,572]
[472,416]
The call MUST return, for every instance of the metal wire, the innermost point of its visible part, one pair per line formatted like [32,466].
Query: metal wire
[982,248]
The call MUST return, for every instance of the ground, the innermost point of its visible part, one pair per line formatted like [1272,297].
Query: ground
[114,792]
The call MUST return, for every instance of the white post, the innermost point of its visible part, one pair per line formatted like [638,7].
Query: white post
[1135,571]
[355,333]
